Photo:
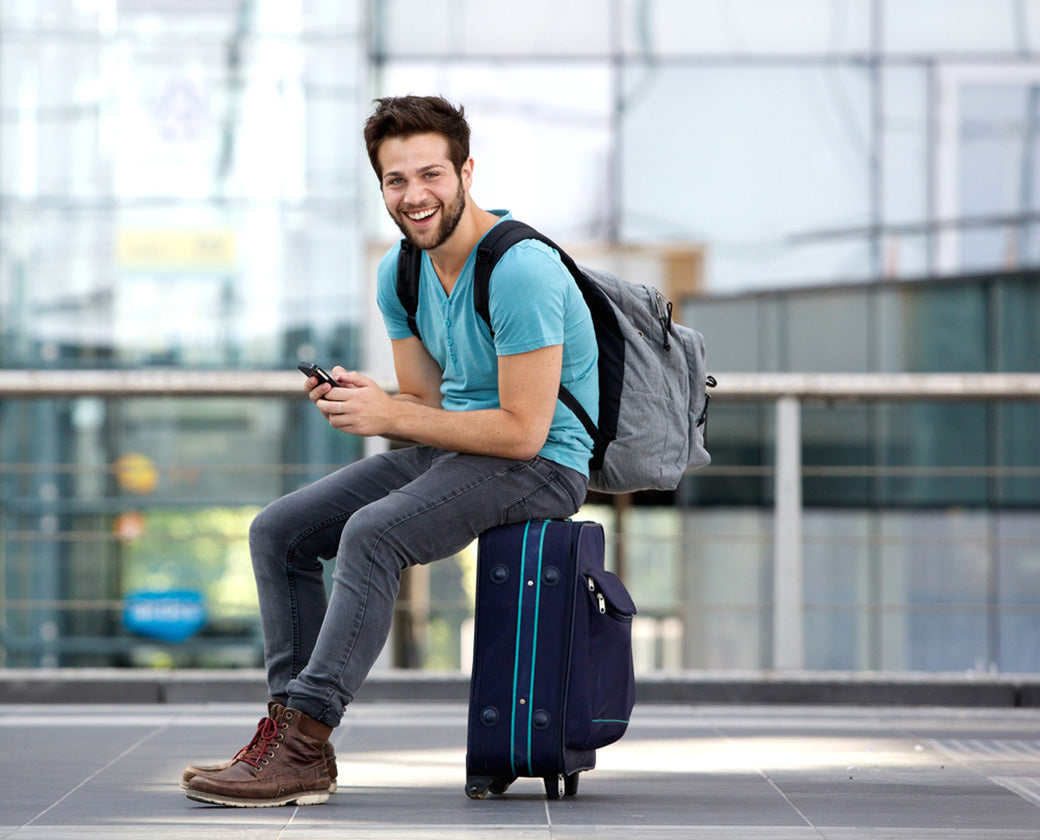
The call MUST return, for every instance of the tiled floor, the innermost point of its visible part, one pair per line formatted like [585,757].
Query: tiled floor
[720,772]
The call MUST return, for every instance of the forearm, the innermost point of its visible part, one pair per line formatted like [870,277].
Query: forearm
[406,398]
[494,432]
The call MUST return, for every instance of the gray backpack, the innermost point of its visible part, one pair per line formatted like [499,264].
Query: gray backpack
[653,404]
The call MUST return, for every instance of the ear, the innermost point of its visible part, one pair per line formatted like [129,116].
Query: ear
[467,174]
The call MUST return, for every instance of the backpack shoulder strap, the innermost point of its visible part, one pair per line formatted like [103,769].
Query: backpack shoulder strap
[409,264]
[495,243]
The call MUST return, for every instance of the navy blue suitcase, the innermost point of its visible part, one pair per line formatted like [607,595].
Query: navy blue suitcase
[552,676]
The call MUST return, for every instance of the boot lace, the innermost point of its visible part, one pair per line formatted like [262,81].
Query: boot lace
[258,751]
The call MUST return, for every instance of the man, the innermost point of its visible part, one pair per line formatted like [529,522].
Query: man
[492,446]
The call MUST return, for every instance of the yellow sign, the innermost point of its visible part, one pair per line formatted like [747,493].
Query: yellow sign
[177,248]
[137,473]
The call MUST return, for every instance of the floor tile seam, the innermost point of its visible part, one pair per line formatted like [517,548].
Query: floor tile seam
[969,763]
[981,760]
[990,748]
[99,771]
[393,832]
[1015,785]
[731,741]
[419,829]
[788,801]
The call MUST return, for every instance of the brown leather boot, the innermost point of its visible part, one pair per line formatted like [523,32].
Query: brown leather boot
[284,765]
[273,708]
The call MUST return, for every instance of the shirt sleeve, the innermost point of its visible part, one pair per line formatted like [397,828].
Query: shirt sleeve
[529,289]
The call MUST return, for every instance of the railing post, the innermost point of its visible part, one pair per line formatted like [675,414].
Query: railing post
[788,618]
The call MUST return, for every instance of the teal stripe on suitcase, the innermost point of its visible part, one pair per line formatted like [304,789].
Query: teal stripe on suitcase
[534,643]
[530,569]
[516,652]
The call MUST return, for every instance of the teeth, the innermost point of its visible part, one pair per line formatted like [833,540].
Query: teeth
[422,214]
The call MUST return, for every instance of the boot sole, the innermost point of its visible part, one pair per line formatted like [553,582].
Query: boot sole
[184,786]
[310,797]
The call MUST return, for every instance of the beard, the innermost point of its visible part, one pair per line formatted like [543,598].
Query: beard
[430,239]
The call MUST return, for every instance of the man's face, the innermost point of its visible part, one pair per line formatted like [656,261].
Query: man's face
[422,192]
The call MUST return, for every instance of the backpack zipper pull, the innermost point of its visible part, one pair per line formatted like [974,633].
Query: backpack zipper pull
[664,317]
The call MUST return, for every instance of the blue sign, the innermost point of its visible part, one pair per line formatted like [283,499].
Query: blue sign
[173,616]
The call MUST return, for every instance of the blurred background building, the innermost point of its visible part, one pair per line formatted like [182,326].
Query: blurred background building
[822,185]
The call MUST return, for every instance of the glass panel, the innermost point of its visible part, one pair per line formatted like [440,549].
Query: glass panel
[736,440]
[733,332]
[967,26]
[905,149]
[757,206]
[726,589]
[934,591]
[1000,171]
[745,27]
[828,332]
[406,30]
[1018,536]
[837,590]
[836,446]
[1017,305]
[907,256]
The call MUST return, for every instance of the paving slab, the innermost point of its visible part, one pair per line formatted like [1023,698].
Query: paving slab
[71,772]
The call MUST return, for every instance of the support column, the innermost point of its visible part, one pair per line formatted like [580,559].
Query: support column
[788,612]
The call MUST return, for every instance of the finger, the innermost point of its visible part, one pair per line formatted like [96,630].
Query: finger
[318,390]
[353,379]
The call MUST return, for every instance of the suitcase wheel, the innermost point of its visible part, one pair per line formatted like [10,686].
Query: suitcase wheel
[558,786]
[501,785]
[477,787]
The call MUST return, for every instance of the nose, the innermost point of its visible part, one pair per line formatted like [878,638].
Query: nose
[415,193]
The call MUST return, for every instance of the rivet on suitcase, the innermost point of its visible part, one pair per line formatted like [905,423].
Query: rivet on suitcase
[552,676]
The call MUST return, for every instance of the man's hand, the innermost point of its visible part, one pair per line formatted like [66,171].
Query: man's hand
[528,386]
[358,406]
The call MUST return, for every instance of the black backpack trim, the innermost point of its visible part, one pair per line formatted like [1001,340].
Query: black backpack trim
[409,264]
[610,342]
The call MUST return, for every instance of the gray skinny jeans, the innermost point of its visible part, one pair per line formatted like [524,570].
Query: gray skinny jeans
[376,517]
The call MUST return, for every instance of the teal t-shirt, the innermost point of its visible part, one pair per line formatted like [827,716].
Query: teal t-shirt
[534,303]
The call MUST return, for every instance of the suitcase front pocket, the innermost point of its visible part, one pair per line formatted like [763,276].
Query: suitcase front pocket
[602,688]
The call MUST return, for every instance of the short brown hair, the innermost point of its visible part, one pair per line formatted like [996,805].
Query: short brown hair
[403,116]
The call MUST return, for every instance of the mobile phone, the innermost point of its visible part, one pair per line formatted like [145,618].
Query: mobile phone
[315,370]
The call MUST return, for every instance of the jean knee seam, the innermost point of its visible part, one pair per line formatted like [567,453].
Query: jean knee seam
[356,630]
[296,666]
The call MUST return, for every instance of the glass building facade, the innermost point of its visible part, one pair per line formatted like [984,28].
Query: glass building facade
[171,172]
[182,184]
[922,530]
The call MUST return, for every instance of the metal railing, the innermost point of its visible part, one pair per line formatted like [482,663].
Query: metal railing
[743,387]
[788,391]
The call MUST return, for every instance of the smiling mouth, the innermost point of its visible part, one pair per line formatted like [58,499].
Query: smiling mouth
[421,215]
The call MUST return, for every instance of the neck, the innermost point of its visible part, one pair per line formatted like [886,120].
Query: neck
[450,257]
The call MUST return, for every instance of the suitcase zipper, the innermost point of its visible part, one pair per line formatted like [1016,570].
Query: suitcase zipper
[599,596]
[605,608]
